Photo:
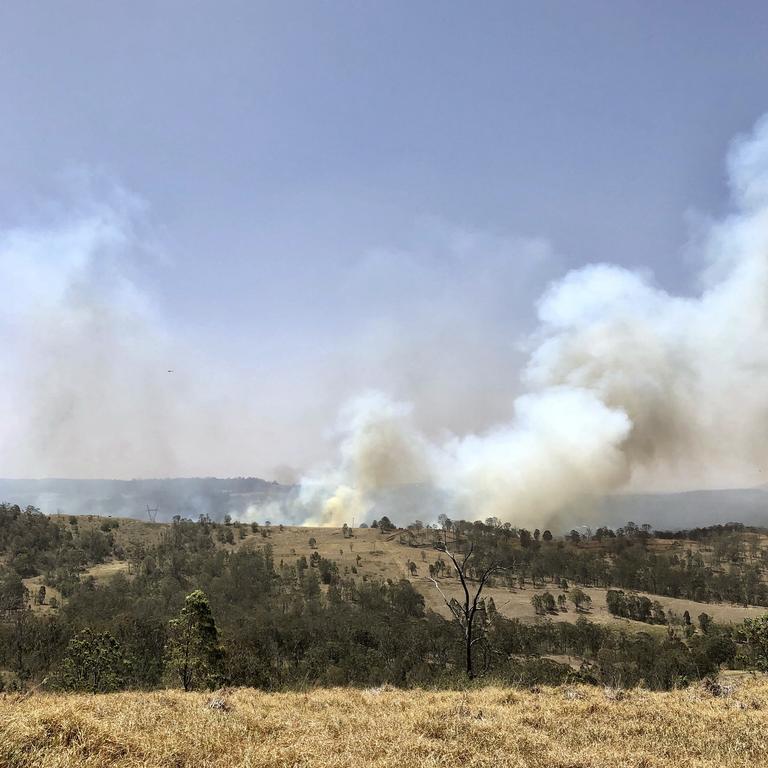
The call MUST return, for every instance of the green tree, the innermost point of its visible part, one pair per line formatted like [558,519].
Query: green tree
[548,602]
[93,662]
[755,634]
[194,652]
[581,600]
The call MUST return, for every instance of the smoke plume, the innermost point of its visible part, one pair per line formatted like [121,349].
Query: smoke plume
[86,358]
[627,386]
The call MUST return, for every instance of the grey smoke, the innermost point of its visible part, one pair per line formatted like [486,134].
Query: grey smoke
[627,386]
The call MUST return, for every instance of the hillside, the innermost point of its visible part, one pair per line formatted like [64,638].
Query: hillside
[565,727]
[385,556]
[93,603]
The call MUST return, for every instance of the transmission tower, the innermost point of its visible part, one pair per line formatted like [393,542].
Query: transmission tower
[152,513]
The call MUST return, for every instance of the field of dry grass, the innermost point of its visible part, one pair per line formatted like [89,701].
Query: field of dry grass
[578,727]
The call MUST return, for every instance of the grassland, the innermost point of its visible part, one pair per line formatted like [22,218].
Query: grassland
[579,727]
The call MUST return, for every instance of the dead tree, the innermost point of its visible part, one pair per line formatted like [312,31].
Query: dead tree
[466,611]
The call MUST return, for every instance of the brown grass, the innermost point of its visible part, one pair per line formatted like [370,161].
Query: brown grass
[577,727]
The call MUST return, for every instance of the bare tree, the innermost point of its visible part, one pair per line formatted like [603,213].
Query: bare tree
[466,611]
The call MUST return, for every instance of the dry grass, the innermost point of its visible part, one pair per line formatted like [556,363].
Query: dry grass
[570,727]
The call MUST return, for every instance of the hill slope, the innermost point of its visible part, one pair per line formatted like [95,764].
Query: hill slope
[374,554]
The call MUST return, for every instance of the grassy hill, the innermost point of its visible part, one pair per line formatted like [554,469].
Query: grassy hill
[560,727]
[386,556]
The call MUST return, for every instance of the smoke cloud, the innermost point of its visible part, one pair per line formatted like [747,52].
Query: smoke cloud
[86,356]
[624,385]
[627,386]
[86,345]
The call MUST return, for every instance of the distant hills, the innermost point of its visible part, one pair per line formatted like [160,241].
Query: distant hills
[254,498]
[188,497]
[688,509]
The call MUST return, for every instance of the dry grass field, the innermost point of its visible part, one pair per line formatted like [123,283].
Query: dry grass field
[579,727]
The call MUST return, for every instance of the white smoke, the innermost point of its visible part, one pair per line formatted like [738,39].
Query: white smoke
[627,384]
[379,448]
[85,355]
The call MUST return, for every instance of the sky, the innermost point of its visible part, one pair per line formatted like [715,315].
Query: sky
[289,203]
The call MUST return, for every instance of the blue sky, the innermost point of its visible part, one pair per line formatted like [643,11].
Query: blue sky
[346,195]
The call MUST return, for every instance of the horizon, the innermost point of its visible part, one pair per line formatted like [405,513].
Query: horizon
[618,491]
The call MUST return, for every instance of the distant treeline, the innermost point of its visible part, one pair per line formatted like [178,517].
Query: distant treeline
[707,532]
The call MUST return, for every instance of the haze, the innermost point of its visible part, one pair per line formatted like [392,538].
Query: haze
[220,223]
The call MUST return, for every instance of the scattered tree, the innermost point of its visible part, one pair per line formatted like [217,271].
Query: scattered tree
[93,662]
[580,599]
[465,612]
[193,649]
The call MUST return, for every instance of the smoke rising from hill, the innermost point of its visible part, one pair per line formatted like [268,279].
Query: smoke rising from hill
[626,384]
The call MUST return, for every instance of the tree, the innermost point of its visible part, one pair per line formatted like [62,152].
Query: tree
[13,594]
[705,622]
[547,535]
[444,521]
[93,662]
[465,612]
[14,606]
[313,543]
[755,633]
[580,599]
[658,616]
[193,648]
[544,603]
[548,601]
